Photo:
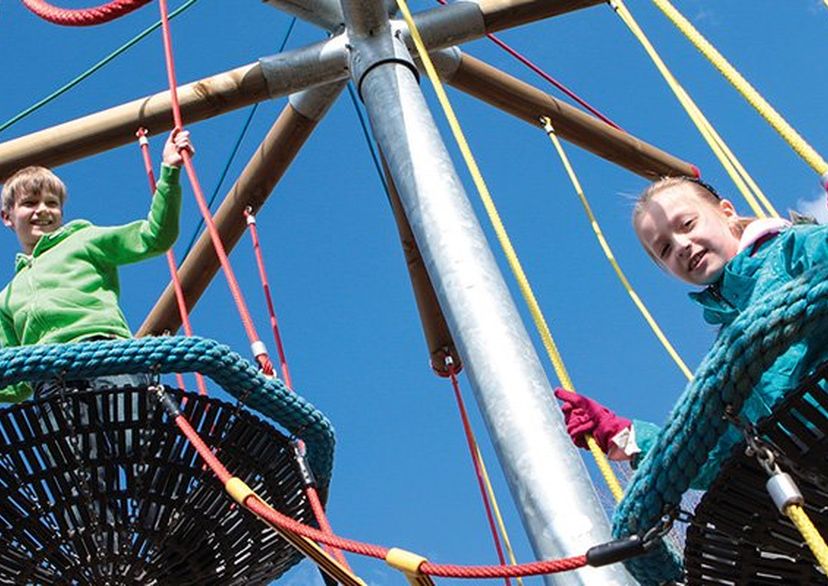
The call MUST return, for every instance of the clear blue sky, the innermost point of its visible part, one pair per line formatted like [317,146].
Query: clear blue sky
[402,474]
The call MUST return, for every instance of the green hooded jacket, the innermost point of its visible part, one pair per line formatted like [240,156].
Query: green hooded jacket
[68,288]
[747,277]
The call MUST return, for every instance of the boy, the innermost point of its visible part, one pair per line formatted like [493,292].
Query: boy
[65,287]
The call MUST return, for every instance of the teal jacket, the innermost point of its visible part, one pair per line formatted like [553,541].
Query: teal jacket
[68,288]
[749,276]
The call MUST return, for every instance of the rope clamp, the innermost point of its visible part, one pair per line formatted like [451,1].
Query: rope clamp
[141,135]
[249,216]
[659,530]
[299,451]
[169,405]
[783,491]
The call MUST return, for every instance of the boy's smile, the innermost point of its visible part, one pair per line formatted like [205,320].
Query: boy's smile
[33,215]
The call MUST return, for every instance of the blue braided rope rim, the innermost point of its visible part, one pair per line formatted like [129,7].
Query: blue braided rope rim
[234,374]
[727,376]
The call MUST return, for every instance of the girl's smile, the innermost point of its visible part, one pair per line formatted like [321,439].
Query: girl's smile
[690,237]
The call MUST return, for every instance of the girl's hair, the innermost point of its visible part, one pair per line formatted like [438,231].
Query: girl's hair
[32,180]
[705,193]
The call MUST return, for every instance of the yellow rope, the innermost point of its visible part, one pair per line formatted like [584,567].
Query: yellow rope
[812,537]
[503,238]
[596,227]
[734,169]
[785,130]
[495,508]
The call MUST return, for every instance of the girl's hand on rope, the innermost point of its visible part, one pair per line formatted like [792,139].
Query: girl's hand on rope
[584,416]
[178,141]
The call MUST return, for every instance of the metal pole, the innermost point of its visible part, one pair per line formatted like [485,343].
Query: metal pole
[547,477]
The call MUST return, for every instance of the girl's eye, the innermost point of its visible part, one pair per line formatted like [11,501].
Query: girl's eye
[688,223]
[664,250]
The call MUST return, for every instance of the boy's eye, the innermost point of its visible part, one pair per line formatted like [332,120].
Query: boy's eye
[664,250]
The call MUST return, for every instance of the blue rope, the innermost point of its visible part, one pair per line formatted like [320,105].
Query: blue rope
[268,396]
[368,140]
[727,376]
[100,64]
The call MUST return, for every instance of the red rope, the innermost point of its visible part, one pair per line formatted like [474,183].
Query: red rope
[514,53]
[284,522]
[519,571]
[83,16]
[274,324]
[261,356]
[179,291]
[477,467]
[324,524]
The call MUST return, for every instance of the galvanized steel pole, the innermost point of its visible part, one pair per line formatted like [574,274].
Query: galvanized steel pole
[547,477]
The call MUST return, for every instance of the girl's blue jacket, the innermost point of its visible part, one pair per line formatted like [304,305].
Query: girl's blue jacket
[755,272]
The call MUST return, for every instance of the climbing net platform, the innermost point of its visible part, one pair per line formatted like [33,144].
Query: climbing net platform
[737,536]
[100,487]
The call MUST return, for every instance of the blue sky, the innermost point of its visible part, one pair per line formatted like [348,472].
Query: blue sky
[402,474]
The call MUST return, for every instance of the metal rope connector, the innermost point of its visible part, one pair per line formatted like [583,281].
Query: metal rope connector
[169,405]
[780,486]
[299,454]
[631,546]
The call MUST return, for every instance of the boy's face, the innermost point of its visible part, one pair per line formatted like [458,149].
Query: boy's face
[690,237]
[33,215]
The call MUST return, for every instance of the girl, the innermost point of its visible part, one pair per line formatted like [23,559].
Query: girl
[697,236]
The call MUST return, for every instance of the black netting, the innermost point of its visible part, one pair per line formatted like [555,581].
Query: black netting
[99,487]
[737,535]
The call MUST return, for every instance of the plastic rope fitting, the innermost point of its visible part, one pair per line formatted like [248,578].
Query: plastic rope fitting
[238,490]
[409,564]
[258,348]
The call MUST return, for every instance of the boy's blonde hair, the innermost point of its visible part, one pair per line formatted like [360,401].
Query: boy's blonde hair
[32,180]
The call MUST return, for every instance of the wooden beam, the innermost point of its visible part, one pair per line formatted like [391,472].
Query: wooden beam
[116,126]
[503,14]
[438,337]
[254,185]
[528,103]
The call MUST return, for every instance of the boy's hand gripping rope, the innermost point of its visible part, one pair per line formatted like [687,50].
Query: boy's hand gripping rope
[257,347]
[143,143]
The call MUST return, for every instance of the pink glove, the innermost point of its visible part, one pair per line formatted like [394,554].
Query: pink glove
[584,416]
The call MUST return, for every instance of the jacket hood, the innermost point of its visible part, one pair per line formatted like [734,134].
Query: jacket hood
[48,241]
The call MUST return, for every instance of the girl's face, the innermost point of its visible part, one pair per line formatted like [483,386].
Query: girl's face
[691,237]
